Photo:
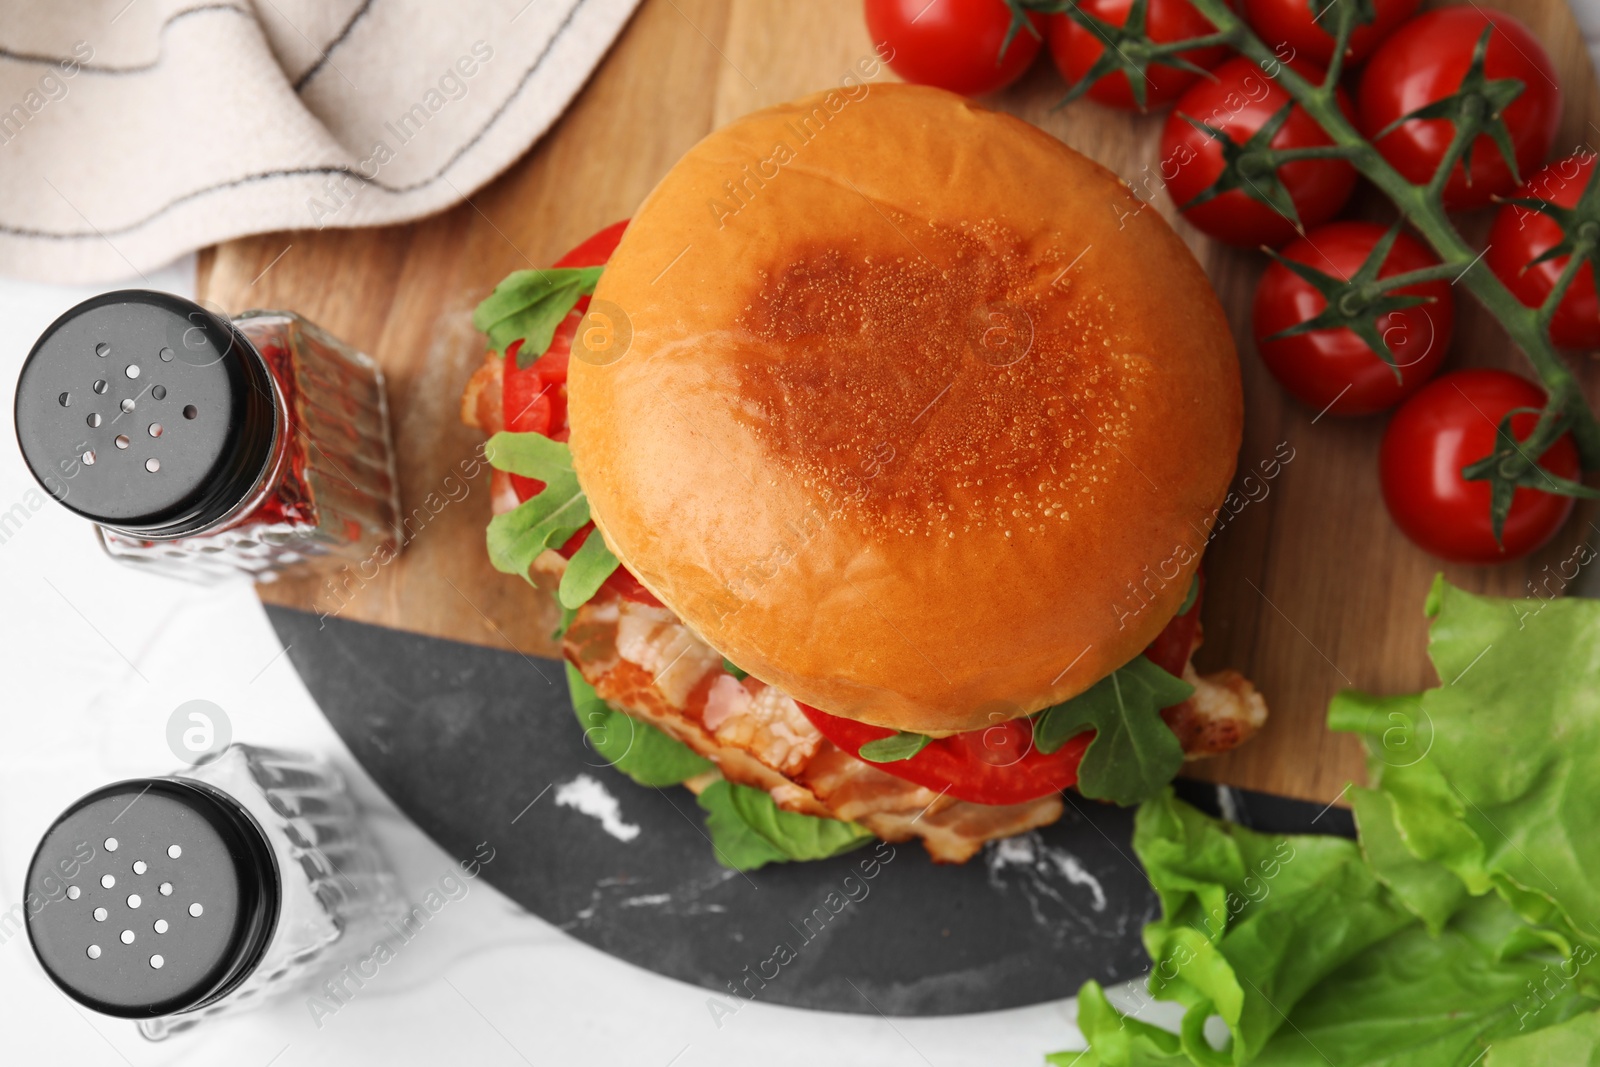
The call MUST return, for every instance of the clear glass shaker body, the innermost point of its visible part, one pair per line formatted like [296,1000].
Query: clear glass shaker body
[338,893]
[329,488]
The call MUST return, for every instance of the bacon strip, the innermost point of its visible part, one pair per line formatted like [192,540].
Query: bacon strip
[643,660]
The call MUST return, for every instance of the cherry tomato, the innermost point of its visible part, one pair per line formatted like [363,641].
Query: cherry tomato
[998,764]
[1520,236]
[1292,23]
[1450,423]
[1425,61]
[951,44]
[1334,370]
[1076,49]
[1238,100]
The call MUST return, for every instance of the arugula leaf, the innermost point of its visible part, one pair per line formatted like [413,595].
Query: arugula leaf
[586,571]
[894,748]
[516,538]
[749,830]
[547,520]
[1134,753]
[635,748]
[532,455]
[528,305]
[727,665]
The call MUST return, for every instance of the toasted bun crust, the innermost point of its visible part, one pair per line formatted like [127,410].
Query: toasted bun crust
[923,418]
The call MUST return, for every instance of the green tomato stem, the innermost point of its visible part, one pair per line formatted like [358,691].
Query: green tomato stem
[1424,210]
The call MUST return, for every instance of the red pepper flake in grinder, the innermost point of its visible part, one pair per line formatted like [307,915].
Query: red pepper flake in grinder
[205,447]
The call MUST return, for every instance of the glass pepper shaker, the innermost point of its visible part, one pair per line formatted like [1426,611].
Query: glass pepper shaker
[172,900]
[205,447]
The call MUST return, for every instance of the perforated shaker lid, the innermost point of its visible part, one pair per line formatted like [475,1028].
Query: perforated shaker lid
[151,896]
[145,412]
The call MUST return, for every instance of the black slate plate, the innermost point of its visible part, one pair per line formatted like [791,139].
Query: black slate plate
[475,745]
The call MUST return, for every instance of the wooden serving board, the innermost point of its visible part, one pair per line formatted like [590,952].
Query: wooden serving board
[1310,587]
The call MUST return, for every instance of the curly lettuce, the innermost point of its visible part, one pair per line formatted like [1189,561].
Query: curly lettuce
[1464,926]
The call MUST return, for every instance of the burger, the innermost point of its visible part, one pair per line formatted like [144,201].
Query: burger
[872,462]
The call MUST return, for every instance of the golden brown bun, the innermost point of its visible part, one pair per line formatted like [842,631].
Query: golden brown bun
[819,451]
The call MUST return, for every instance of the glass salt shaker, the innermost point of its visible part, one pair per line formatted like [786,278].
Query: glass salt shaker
[204,447]
[172,900]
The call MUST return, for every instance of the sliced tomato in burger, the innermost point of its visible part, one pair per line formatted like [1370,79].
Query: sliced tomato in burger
[534,398]
[995,765]
[999,764]
[1172,646]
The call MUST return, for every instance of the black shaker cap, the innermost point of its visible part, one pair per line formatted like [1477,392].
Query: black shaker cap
[151,896]
[146,412]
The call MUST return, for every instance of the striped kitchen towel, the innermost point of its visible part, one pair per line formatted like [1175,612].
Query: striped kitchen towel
[132,131]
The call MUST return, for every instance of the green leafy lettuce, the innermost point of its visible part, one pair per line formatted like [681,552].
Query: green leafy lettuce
[1134,753]
[1423,999]
[528,305]
[1501,779]
[635,748]
[1463,928]
[749,830]
[1574,1043]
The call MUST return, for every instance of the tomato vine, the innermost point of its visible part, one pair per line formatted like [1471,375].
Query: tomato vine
[1474,110]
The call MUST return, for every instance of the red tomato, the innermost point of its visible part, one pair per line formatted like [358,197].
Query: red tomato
[998,764]
[1076,49]
[994,765]
[524,395]
[1172,646]
[1291,22]
[533,399]
[1425,61]
[595,249]
[951,44]
[1334,369]
[1238,100]
[1450,424]
[1520,236]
